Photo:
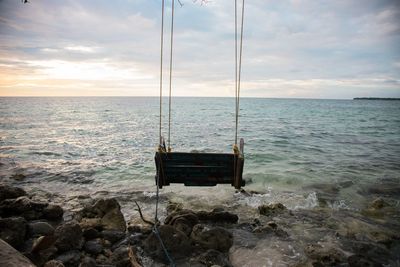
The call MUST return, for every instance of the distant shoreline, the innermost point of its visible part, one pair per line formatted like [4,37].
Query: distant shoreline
[375,98]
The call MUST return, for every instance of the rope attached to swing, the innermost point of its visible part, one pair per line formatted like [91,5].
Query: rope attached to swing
[238,67]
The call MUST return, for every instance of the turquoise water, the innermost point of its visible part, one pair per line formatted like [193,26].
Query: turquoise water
[108,143]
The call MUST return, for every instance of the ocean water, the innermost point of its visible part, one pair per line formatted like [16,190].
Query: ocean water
[73,145]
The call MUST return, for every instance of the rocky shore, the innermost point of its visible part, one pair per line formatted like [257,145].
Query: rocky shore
[95,233]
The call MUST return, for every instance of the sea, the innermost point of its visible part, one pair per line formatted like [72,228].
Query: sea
[294,148]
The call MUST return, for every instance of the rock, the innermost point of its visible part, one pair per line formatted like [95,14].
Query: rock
[40,228]
[22,206]
[325,255]
[90,233]
[174,207]
[114,220]
[136,225]
[216,238]
[43,242]
[183,220]
[18,177]
[12,258]
[176,242]
[212,258]
[13,231]
[108,212]
[360,261]
[88,262]
[113,235]
[133,239]
[53,212]
[120,257]
[70,258]
[95,223]
[217,216]
[378,204]
[54,263]
[93,247]
[271,209]
[102,260]
[69,236]
[7,192]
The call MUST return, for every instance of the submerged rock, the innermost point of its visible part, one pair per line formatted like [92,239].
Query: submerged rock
[69,236]
[7,192]
[217,238]
[13,230]
[176,242]
[88,262]
[378,204]
[271,209]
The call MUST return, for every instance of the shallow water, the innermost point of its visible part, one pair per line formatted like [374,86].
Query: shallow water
[88,144]
[325,160]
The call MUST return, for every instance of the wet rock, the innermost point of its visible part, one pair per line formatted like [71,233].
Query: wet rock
[183,220]
[13,230]
[88,262]
[7,192]
[213,258]
[90,233]
[176,242]
[40,228]
[54,263]
[43,242]
[70,258]
[93,247]
[12,258]
[114,220]
[69,236]
[136,225]
[113,235]
[271,209]
[109,213]
[174,207]
[103,260]
[378,204]
[53,212]
[216,238]
[22,206]
[133,239]
[243,238]
[324,255]
[120,257]
[18,177]
[95,223]
[360,261]
[217,216]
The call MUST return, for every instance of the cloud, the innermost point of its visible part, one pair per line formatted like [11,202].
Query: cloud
[292,48]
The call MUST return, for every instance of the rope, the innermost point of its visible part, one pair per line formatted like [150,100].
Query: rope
[170,76]
[238,67]
[161,66]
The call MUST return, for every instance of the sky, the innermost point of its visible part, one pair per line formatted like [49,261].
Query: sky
[291,48]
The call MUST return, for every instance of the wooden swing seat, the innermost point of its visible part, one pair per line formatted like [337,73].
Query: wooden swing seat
[199,169]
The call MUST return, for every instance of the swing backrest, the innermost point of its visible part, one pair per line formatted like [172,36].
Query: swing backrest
[199,169]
